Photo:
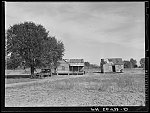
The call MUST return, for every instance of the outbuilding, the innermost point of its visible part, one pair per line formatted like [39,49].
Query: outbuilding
[112,65]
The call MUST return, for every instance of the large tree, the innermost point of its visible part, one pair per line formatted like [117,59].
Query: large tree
[32,43]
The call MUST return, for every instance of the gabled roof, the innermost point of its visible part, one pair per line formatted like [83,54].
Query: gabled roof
[63,61]
[116,61]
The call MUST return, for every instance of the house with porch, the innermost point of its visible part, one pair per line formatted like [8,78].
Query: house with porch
[71,66]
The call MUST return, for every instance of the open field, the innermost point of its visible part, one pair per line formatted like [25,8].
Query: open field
[91,89]
[18,80]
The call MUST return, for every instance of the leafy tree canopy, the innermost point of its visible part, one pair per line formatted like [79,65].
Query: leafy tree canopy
[127,64]
[33,44]
[133,63]
[142,62]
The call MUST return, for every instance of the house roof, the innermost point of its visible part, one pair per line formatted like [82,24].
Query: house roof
[116,61]
[63,60]
[75,62]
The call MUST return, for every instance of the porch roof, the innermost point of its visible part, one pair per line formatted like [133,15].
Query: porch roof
[75,62]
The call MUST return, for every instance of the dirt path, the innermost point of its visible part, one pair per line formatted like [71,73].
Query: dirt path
[53,78]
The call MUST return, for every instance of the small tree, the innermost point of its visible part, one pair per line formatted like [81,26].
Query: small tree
[133,63]
[87,64]
[127,64]
[142,62]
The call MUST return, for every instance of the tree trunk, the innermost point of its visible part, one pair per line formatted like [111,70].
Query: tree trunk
[32,71]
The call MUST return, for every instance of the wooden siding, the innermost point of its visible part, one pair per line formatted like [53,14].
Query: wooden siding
[63,67]
[119,68]
[107,68]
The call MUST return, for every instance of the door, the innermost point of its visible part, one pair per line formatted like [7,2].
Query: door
[113,69]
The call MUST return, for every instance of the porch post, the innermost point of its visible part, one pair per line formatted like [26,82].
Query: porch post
[78,70]
[68,71]
[72,69]
[57,72]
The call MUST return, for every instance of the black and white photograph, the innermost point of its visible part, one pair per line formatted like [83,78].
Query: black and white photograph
[75,54]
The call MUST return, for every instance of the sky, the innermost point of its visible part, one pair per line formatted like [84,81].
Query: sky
[89,30]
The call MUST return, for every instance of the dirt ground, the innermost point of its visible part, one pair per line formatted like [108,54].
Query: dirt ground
[91,89]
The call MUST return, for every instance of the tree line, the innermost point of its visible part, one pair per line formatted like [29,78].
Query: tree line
[31,45]
[132,63]
[89,65]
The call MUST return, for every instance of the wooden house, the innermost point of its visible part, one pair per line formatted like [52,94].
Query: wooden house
[63,67]
[76,66]
[112,65]
[71,66]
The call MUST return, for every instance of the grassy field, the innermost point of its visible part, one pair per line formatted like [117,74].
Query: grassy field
[18,80]
[91,89]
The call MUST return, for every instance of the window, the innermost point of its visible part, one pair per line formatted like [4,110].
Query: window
[63,67]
